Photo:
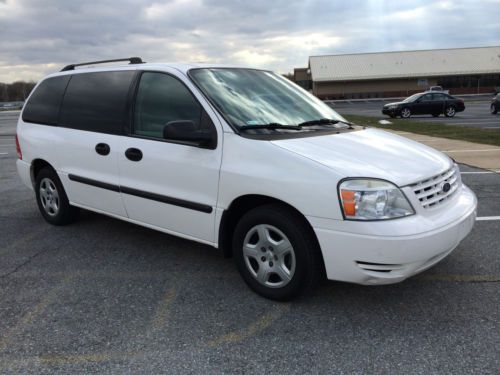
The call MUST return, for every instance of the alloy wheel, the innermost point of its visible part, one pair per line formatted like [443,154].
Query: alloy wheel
[49,197]
[405,113]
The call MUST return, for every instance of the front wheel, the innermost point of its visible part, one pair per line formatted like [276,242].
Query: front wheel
[450,111]
[493,109]
[405,113]
[275,252]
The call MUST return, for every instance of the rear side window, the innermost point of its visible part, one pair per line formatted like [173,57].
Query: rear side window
[97,101]
[44,104]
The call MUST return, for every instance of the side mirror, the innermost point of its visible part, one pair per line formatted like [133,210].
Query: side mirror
[186,131]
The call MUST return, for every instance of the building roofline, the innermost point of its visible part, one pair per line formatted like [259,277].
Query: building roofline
[415,50]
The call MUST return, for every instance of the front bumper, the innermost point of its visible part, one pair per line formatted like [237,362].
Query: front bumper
[387,252]
[390,112]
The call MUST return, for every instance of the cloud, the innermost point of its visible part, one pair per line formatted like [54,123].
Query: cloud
[39,37]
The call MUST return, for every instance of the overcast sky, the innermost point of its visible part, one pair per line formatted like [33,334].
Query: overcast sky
[38,37]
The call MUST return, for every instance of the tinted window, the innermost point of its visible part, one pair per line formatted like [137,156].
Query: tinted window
[161,99]
[426,97]
[439,97]
[43,106]
[96,101]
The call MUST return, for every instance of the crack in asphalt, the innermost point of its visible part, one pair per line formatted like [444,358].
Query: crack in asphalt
[17,268]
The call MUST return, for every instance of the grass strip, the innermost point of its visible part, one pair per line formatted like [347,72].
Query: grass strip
[462,133]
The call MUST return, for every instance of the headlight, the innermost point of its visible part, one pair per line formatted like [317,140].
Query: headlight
[370,199]
[392,106]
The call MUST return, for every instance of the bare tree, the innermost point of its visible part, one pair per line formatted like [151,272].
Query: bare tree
[15,92]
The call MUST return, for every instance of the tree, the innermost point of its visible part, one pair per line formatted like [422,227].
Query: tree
[15,92]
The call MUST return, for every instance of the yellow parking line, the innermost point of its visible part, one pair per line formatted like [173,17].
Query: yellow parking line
[460,278]
[30,316]
[66,359]
[163,309]
[259,325]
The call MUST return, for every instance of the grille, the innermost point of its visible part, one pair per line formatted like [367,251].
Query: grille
[430,192]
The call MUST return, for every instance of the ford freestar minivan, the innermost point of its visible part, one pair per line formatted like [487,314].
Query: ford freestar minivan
[246,161]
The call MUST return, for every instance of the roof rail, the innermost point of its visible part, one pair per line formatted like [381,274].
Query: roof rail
[133,60]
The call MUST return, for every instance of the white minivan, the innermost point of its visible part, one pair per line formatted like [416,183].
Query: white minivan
[246,161]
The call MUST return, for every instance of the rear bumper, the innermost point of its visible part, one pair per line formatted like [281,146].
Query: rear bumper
[385,259]
[24,171]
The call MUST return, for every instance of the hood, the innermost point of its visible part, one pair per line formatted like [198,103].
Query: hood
[395,103]
[371,153]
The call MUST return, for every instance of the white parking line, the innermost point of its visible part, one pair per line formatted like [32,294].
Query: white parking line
[487,218]
[4,153]
[481,150]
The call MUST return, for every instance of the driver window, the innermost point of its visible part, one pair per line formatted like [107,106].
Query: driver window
[161,99]
[426,97]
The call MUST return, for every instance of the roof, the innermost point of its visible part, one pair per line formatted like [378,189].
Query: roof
[425,63]
[182,67]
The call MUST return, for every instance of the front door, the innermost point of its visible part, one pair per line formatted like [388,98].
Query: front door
[423,105]
[170,185]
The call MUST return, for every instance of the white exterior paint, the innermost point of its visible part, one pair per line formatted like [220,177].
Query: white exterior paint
[302,172]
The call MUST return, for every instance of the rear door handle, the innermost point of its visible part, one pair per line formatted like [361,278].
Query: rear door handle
[133,154]
[102,149]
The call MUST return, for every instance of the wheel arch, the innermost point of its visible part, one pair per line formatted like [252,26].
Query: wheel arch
[36,166]
[242,205]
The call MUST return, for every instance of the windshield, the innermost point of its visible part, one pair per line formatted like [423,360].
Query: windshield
[249,97]
[412,98]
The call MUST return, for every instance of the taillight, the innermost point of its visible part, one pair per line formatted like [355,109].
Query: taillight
[18,149]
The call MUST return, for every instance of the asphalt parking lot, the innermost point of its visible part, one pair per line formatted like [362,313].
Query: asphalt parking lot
[477,113]
[103,295]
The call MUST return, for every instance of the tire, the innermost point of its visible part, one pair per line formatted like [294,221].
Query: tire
[52,199]
[450,111]
[406,112]
[493,109]
[435,115]
[276,253]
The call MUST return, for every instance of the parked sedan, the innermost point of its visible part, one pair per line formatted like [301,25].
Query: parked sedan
[425,103]
[495,104]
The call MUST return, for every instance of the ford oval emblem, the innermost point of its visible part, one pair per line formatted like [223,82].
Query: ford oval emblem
[446,187]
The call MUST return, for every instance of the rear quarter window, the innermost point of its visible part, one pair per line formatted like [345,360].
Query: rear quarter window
[44,104]
[97,101]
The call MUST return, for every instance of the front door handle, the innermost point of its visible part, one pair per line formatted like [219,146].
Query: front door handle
[102,149]
[133,154]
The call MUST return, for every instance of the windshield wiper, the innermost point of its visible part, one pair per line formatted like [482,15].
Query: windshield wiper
[324,121]
[271,125]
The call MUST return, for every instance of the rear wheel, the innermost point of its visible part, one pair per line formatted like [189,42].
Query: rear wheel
[52,200]
[449,111]
[275,252]
[493,109]
[405,112]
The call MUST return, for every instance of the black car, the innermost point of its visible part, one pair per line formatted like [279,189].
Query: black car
[495,104]
[425,103]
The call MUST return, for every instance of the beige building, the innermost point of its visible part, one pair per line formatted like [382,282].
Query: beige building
[395,74]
